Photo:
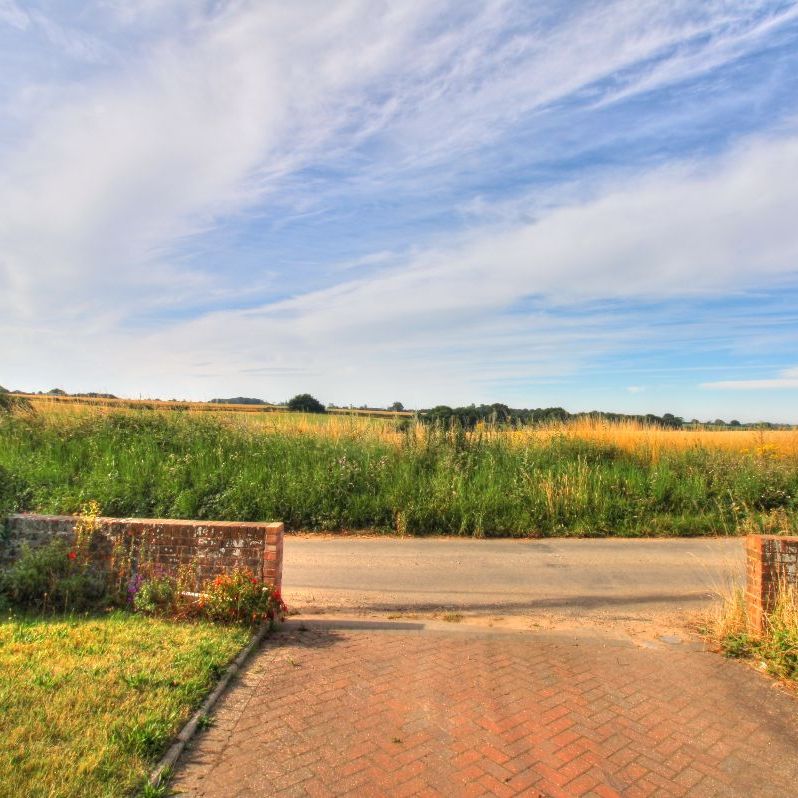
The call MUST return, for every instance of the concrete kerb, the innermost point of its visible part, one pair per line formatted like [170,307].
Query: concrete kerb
[162,772]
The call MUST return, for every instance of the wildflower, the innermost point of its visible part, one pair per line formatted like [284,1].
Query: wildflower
[72,555]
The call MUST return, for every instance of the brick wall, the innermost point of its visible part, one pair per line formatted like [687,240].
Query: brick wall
[209,547]
[770,560]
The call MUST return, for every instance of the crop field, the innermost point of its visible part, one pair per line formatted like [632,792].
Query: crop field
[391,474]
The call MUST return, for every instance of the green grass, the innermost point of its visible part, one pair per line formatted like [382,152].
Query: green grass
[185,465]
[87,704]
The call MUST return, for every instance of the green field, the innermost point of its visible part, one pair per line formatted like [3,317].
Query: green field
[322,473]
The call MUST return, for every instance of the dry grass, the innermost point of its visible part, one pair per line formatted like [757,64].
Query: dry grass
[775,646]
[629,436]
[632,436]
[76,402]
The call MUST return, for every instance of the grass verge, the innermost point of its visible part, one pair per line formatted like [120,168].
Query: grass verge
[332,474]
[775,647]
[87,704]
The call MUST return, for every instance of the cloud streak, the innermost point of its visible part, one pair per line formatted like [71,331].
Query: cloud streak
[787,379]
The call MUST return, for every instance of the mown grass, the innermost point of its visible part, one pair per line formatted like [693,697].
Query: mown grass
[318,473]
[88,703]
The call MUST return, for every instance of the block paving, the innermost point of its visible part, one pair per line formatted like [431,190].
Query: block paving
[400,710]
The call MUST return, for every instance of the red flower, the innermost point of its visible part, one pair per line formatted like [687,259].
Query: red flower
[72,555]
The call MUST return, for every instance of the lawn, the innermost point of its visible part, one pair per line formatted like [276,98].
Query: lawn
[394,475]
[87,704]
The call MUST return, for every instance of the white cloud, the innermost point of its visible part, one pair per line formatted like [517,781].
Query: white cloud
[725,227]
[635,388]
[12,14]
[788,378]
[201,123]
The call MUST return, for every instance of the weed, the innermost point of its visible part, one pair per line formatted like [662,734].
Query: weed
[159,789]
[776,644]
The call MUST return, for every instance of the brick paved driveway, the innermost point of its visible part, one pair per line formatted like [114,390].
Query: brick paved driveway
[408,711]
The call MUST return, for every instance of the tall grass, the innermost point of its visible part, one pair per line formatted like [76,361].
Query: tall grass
[775,645]
[387,474]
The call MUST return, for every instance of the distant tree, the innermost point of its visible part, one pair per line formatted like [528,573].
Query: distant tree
[397,407]
[719,422]
[237,400]
[735,423]
[305,403]
[56,392]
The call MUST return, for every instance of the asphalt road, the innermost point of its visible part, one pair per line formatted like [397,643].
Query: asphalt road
[613,576]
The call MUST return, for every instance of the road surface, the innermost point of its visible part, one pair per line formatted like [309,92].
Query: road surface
[570,576]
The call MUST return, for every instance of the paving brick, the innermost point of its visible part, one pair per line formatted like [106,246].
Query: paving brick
[379,712]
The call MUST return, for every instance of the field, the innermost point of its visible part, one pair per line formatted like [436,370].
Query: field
[87,704]
[390,474]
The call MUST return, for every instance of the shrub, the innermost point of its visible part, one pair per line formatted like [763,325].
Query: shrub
[10,402]
[239,597]
[53,577]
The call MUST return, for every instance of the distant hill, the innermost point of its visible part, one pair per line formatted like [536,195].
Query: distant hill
[238,400]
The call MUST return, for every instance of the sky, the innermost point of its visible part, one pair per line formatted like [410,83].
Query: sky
[585,204]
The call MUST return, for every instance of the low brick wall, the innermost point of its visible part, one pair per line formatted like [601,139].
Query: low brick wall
[209,547]
[771,560]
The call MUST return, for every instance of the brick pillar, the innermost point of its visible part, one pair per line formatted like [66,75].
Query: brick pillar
[771,560]
[273,555]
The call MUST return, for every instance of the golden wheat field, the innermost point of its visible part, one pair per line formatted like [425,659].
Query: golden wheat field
[387,427]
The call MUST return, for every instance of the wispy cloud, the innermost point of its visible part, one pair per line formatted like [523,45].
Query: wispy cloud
[788,378]
[11,14]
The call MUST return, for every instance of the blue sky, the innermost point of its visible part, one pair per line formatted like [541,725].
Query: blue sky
[586,204]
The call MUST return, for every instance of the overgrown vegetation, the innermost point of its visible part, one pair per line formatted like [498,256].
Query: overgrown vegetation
[775,646]
[88,703]
[325,472]
[58,578]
